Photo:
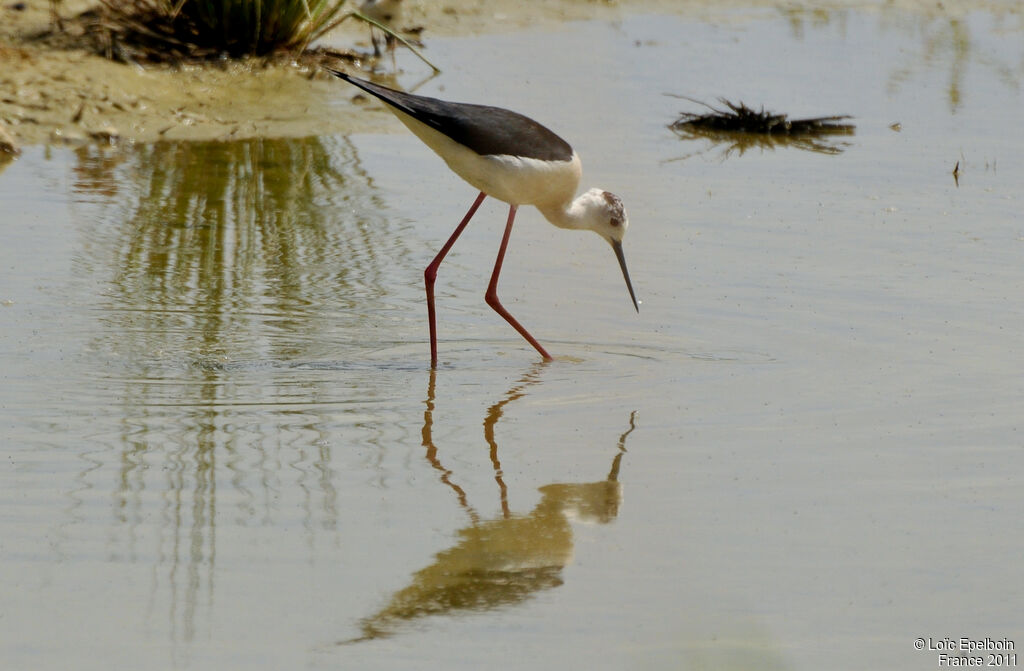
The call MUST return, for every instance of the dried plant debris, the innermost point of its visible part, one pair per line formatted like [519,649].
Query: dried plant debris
[204,30]
[741,128]
[742,119]
[141,32]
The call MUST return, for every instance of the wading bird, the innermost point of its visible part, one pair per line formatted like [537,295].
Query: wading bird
[512,158]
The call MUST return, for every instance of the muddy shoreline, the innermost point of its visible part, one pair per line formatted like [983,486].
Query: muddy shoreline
[54,88]
[69,94]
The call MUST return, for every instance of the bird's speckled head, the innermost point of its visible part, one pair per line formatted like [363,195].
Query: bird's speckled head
[605,214]
[599,211]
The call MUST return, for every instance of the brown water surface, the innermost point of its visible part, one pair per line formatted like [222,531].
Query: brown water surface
[223,446]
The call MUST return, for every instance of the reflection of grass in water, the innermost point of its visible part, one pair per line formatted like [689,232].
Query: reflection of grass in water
[950,39]
[737,142]
[227,240]
[255,250]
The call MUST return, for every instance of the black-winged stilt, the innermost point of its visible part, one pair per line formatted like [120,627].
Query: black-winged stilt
[512,158]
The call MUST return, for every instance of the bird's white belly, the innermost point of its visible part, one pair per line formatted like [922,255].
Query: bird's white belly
[512,179]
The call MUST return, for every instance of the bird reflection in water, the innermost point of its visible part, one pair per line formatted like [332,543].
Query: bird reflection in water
[506,560]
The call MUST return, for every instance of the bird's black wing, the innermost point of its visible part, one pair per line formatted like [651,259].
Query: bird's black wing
[484,129]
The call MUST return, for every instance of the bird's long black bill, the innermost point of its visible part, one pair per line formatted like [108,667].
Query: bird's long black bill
[617,246]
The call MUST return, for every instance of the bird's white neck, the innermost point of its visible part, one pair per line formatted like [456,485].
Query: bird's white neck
[575,214]
[594,210]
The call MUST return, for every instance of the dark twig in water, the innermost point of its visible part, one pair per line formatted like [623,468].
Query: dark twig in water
[742,119]
[741,128]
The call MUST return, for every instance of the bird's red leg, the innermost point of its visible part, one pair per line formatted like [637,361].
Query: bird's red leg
[492,289]
[430,275]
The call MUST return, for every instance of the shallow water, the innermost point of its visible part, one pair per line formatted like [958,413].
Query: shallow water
[224,446]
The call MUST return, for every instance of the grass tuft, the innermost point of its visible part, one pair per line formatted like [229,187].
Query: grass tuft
[201,29]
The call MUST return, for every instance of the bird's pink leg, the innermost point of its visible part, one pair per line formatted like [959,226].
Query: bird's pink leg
[492,289]
[430,275]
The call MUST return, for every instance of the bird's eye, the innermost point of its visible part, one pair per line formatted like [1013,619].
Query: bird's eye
[615,209]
